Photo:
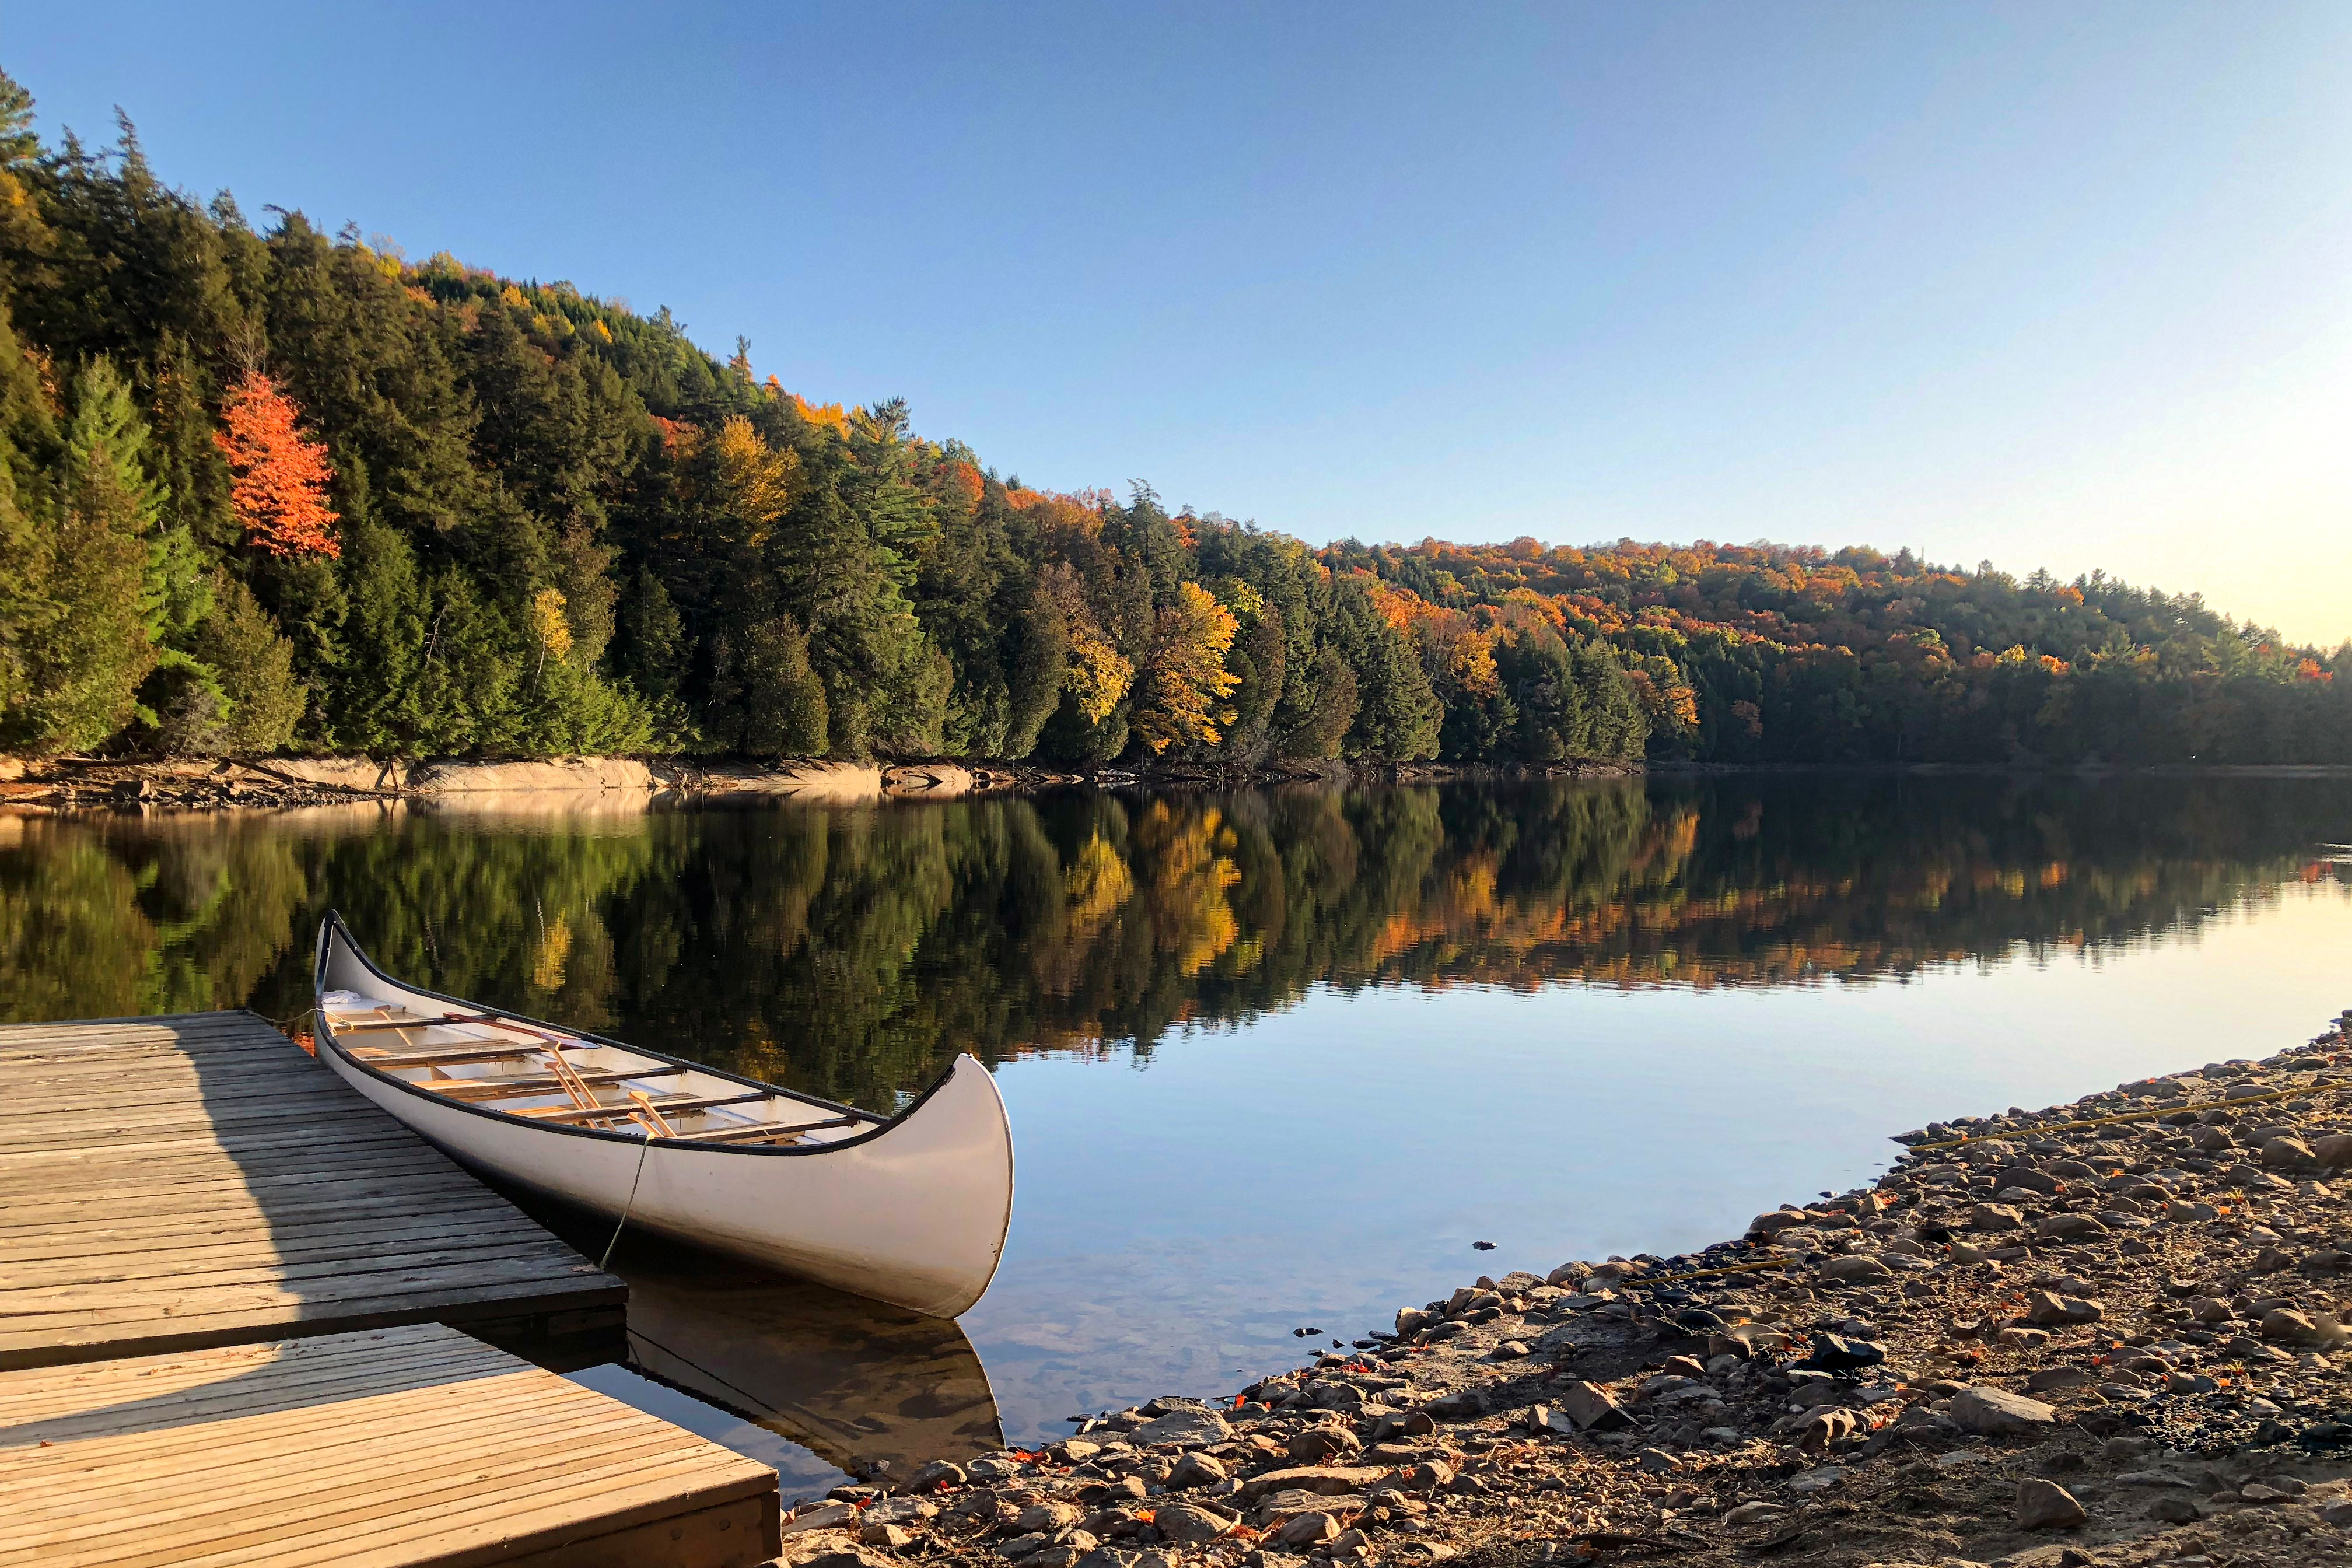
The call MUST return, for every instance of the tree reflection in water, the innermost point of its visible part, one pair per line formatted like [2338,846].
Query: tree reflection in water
[853,952]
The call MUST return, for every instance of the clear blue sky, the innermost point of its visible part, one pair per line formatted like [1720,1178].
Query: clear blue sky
[2051,285]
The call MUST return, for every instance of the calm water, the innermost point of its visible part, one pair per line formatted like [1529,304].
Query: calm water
[1274,1060]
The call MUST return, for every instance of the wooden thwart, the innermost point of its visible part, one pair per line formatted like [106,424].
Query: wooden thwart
[393,1450]
[221,1187]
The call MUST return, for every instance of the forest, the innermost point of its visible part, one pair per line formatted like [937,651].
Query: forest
[275,490]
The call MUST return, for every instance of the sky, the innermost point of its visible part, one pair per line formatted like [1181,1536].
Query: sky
[2061,287]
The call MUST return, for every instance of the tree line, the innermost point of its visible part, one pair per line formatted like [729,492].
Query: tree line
[267,490]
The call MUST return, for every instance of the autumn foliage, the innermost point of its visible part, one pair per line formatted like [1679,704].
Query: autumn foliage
[279,493]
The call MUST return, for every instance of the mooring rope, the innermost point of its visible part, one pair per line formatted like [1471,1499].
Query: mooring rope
[642,1150]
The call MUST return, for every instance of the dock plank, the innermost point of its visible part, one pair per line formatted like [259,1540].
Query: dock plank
[399,1448]
[171,1184]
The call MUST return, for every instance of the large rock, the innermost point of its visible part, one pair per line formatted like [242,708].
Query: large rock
[1997,1413]
[1856,1270]
[1332,1480]
[1592,1407]
[1187,1525]
[2335,1150]
[1181,1429]
[2046,1308]
[2288,1154]
[1777,1221]
[1320,1445]
[2046,1505]
[1307,1530]
[2069,1227]
[558,774]
[1995,1216]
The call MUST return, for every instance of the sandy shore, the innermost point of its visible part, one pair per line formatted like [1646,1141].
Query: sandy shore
[2100,1333]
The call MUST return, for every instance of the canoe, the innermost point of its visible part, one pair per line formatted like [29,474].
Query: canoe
[909,1209]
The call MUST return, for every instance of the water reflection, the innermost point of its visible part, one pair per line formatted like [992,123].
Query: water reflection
[853,951]
[850,1379]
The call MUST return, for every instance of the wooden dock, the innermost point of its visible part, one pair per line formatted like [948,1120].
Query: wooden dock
[392,1449]
[171,1184]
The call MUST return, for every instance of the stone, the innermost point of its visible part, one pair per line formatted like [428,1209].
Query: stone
[901,1510]
[890,1536]
[2059,1377]
[1196,1470]
[1822,1480]
[824,1516]
[1857,1270]
[1995,1216]
[1307,1530]
[1186,1525]
[1997,1413]
[1511,1350]
[2045,1308]
[1043,1518]
[2287,1153]
[855,1557]
[932,1476]
[2045,1505]
[2338,1514]
[2335,1150]
[2069,1227]
[1592,1407]
[1183,1429]
[1657,1461]
[1462,1404]
[1321,1445]
[1427,1476]
[1332,1480]
[1832,1352]
[1410,1320]
[1750,1513]
[1778,1221]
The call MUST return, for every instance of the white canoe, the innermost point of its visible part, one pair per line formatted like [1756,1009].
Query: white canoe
[911,1209]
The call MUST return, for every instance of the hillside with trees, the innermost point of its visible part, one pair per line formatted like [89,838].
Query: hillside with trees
[271,489]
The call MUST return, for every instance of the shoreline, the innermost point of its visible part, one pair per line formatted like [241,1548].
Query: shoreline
[606,784]
[2104,1333]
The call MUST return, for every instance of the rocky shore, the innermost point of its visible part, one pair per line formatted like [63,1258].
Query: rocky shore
[569,783]
[2102,1333]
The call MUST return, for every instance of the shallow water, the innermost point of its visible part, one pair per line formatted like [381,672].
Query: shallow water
[1275,1059]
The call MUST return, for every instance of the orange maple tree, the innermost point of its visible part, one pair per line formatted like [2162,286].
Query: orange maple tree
[281,474]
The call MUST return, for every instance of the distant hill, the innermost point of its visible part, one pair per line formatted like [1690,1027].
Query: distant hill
[272,490]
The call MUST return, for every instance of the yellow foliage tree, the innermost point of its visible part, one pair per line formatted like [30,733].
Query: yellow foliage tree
[1185,692]
[756,483]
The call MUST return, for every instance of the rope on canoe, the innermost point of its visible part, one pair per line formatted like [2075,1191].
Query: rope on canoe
[626,1207]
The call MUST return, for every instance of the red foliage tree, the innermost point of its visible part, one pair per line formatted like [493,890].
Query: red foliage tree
[280,490]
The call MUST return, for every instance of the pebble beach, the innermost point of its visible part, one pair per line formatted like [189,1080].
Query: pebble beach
[2108,1332]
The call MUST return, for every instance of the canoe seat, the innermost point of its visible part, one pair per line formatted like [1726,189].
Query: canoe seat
[669,1107]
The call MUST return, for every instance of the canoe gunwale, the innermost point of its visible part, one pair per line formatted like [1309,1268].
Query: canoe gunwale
[333,928]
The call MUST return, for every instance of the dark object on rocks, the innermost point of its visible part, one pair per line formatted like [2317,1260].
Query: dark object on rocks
[1699,1320]
[1482,1246]
[2046,1505]
[1833,1353]
[2174,1508]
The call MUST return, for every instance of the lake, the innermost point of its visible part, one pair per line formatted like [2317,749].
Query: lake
[1275,1059]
